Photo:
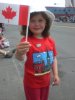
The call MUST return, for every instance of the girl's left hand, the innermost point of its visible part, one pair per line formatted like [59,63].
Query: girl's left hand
[56,80]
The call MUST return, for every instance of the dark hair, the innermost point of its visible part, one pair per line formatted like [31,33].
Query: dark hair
[45,33]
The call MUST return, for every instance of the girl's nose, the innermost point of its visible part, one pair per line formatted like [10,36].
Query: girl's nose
[36,23]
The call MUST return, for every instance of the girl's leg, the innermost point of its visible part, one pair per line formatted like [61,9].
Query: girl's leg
[44,93]
[32,93]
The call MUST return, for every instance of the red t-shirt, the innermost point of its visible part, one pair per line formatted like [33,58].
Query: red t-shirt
[39,61]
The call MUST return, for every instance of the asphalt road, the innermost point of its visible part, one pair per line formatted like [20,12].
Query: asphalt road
[11,70]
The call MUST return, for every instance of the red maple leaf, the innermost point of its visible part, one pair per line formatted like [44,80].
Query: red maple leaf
[8,13]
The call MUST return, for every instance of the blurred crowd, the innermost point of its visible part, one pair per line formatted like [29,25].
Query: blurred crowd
[4,43]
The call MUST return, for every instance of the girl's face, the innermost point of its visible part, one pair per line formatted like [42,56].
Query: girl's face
[37,25]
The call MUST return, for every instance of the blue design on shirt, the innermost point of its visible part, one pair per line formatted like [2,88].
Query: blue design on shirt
[42,62]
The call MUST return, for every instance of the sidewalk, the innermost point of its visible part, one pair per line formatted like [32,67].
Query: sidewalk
[11,85]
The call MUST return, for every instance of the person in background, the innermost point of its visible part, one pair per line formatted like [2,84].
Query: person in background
[2,27]
[40,52]
[2,39]
[8,53]
[4,43]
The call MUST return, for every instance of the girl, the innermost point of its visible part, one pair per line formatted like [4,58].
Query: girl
[40,54]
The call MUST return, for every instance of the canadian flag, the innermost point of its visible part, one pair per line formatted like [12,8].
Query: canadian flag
[14,14]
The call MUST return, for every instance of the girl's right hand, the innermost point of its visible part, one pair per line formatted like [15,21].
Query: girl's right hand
[23,48]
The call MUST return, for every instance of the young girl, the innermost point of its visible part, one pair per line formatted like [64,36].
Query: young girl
[40,54]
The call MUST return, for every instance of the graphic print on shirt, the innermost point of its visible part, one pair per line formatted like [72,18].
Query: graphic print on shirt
[42,62]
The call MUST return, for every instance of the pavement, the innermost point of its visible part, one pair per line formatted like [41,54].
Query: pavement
[11,70]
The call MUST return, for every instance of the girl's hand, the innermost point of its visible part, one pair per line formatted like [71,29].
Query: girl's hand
[23,47]
[56,80]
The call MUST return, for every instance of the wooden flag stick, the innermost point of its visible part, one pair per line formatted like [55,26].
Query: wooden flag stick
[27,24]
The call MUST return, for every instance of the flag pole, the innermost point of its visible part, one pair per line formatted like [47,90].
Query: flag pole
[28,24]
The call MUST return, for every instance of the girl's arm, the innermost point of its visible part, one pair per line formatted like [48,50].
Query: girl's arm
[56,79]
